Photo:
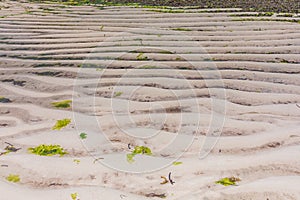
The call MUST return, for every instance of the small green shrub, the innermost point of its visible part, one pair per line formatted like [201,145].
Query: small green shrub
[61,124]
[141,57]
[62,104]
[148,67]
[83,136]
[77,161]
[138,150]
[47,150]
[228,181]
[117,94]
[181,29]
[13,178]
[74,196]
[177,163]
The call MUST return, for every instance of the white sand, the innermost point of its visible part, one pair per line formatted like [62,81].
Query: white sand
[236,103]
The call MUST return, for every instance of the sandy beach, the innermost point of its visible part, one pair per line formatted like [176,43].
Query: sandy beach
[213,93]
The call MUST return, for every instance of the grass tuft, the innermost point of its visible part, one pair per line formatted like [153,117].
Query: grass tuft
[13,178]
[228,181]
[62,104]
[117,94]
[74,196]
[141,56]
[138,150]
[83,136]
[47,150]
[61,124]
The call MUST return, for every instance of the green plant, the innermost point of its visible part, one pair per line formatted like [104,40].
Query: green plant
[4,100]
[4,153]
[61,124]
[29,12]
[141,57]
[62,104]
[138,150]
[177,163]
[285,15]
[181,29]
[47,150]
[148,67]
[267,19]
[117,94]
[74,196]
[76,161]
[263,14]
[13,178]
[228,181]
[83,135]
[166,11]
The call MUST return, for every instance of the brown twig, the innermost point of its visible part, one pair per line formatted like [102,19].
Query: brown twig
[8,143]
[171,181]
[98,159]
[11,147]
[156,195]
[165,180]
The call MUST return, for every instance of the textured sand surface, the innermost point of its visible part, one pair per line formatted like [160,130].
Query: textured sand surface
[195,67]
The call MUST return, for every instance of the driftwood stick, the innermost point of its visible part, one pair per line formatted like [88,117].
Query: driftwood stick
[170,179]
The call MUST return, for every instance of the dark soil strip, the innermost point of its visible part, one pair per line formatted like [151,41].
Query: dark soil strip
[247,5]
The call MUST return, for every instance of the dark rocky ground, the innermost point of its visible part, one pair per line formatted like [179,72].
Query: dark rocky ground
[247,5]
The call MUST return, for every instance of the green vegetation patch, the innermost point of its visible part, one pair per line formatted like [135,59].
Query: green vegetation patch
[285,15]
[74,196]
[263,14]
[47,150]
[228,181]
[166,11]
[268,19]
[141,56]
[13,178]
[117,94]
[77,161]
[61,124]
[177,163]
[138,150]
[62,104]
[4,100]
[181,29]
[83,136]
[148,67]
